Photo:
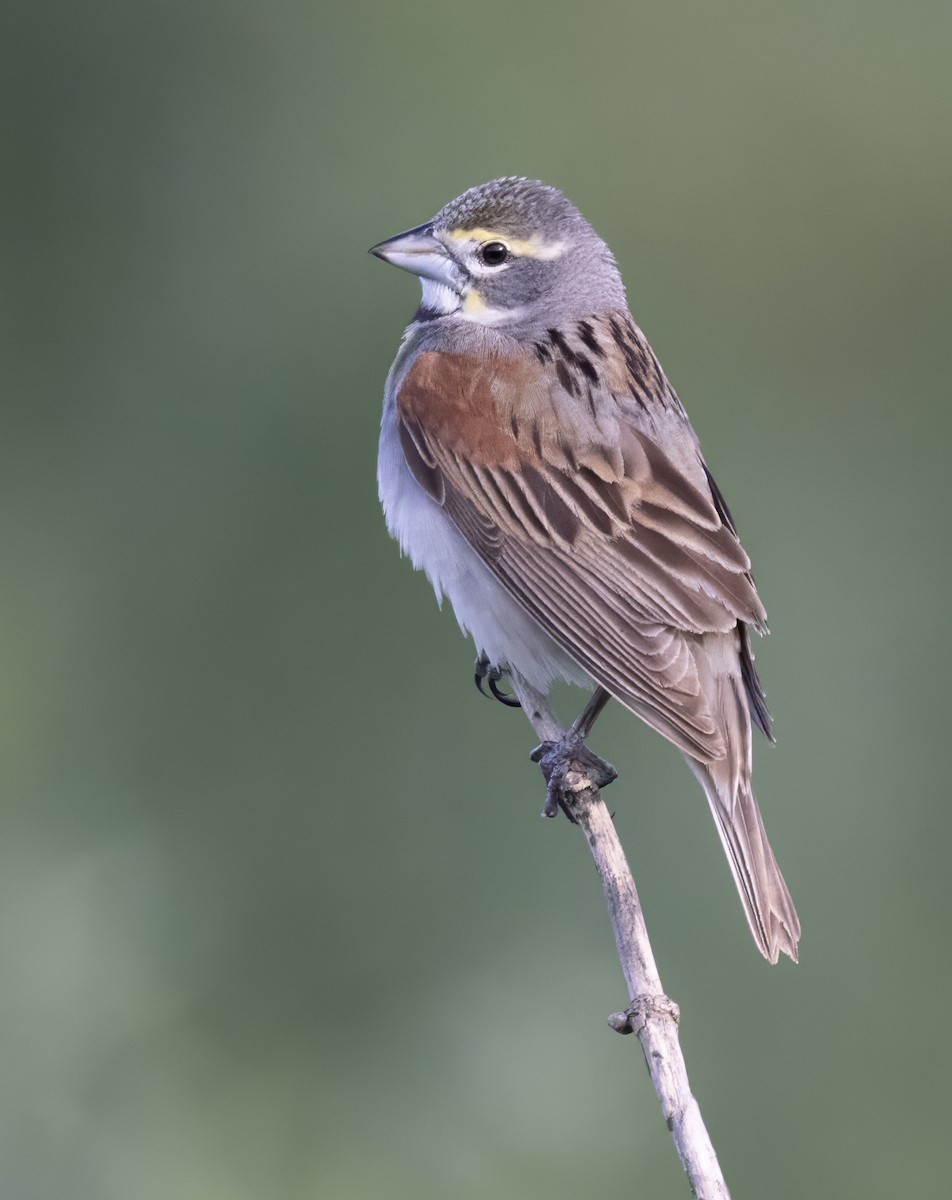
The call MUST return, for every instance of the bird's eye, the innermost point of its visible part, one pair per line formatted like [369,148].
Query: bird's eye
[494,254]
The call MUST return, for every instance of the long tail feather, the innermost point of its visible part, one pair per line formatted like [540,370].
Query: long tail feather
[767,903]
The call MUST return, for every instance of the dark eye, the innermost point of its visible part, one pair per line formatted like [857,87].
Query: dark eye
[494,254]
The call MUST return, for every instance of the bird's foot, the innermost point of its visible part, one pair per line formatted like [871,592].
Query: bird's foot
[485,670]
[570,769]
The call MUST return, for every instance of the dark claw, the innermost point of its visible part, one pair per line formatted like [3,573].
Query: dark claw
[512,701]
[485,671]
[482,670]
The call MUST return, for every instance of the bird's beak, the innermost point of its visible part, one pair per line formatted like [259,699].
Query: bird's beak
[419,252]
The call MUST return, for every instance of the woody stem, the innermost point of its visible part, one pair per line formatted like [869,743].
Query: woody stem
[650,1014]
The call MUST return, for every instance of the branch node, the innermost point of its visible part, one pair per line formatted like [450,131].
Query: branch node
[642,1010]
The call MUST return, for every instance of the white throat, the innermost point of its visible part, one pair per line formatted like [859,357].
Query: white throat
[439,298]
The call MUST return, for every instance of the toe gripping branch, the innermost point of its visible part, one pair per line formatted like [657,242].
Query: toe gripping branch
[492,675]
[571,771]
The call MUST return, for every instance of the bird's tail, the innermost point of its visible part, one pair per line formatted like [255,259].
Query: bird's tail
[726,781]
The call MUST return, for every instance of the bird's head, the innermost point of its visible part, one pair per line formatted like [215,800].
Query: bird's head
[512,253]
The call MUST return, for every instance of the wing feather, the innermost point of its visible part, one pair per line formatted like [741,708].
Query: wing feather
[622,550]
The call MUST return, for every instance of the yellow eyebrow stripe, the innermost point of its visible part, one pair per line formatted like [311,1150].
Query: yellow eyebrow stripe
[522,247]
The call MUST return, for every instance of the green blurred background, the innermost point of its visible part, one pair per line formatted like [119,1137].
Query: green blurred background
[278,916]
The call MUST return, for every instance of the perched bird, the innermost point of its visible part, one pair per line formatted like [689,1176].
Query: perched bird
[538,466]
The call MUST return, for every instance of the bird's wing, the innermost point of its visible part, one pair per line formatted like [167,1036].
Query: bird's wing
[550,463]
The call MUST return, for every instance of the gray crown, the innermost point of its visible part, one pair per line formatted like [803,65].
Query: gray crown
[513,205]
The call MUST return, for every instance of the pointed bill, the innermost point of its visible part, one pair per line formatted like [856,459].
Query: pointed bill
[422,254]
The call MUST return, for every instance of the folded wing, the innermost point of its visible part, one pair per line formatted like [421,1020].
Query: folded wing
[550,464]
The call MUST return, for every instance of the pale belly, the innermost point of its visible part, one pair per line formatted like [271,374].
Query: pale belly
[498,624]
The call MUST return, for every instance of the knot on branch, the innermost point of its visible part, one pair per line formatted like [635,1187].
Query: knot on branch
[572,772]
[642,1010]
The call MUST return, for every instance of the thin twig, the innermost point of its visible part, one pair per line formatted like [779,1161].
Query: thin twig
[574,776]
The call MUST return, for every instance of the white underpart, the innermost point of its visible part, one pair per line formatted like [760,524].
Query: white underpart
[499,626]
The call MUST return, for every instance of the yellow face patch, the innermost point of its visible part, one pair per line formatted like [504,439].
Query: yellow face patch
[474,303]
[476,309]
[521,247]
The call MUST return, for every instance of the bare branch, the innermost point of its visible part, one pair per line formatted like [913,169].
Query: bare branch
[574,775]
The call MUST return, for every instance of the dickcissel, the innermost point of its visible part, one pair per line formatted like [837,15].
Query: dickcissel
[537,464]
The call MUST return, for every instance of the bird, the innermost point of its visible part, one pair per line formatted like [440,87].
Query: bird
[537,465]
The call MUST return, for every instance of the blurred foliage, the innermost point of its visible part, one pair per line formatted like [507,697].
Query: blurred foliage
[277,914]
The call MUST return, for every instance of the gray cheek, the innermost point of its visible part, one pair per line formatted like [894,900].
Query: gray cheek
[525,282]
